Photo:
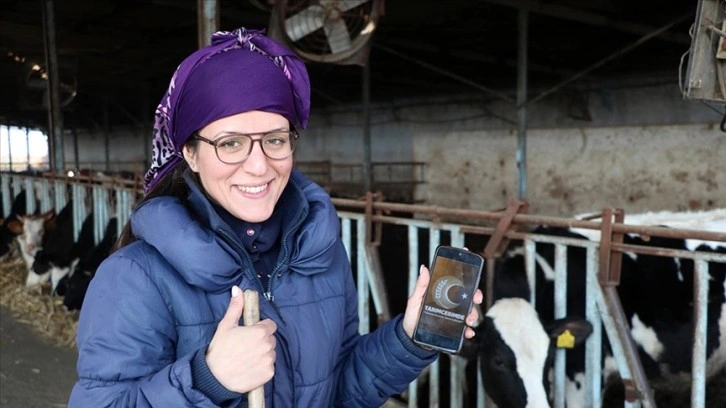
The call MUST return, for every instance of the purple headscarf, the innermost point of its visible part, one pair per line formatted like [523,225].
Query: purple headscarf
[240,71]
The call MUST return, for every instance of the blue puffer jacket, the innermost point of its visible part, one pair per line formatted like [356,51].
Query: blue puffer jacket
[154,306]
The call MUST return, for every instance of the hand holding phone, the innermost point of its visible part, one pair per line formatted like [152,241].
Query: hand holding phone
[454,278]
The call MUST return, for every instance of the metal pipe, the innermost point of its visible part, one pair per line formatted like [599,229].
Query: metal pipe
[593,345]
[10,150]
[413,268]
[55,116]
[560,312]
[77,163]
[60,197]
[700,326]
[523,23]
[207,20]
[106,135]
[456,363]
[27,147]
[29,195]
[630,352]
[6,195]
[367,167]
[364,317]
[435,370]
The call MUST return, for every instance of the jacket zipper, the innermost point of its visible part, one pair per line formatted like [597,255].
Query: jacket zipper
[241,250]
[285,255]
[268,293]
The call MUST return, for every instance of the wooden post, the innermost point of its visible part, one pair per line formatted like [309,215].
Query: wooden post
[256,397]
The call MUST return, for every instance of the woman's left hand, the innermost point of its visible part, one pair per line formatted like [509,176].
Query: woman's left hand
[413,307]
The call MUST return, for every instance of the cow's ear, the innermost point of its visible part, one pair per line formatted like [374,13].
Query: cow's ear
[569,332]
[48,215]
[15,226]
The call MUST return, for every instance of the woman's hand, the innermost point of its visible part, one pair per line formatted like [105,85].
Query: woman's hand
[242,358]
[413,307]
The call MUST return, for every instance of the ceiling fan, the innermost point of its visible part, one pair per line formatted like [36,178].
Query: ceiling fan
[334,31]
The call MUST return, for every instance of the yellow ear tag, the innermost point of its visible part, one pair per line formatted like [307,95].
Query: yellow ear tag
[566,340]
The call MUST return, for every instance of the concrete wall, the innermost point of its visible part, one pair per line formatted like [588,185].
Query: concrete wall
[639,147]
[127,148]
[579,170]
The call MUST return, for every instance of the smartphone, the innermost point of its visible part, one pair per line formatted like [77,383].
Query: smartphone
[455,274]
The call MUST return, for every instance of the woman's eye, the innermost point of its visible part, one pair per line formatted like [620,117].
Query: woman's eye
[230,144]
[276,141]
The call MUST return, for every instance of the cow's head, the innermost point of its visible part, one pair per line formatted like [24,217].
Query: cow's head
[516,351]
[34,226]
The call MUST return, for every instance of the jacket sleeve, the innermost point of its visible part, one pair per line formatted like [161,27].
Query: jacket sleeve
[377,365]
[126,344]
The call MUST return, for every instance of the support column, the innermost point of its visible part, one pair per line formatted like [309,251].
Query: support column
[367,166]
[55,116]
[207,20]
[521,106]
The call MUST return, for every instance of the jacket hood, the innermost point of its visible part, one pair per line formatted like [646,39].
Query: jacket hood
[204,250]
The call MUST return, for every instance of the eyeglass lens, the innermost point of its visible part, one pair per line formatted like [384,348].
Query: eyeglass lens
[236,148]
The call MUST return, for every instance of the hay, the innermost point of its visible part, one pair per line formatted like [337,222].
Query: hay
[34,306]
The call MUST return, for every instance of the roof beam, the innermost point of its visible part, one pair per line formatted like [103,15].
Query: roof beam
[572,14]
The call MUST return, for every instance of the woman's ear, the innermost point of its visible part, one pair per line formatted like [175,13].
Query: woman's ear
[189,157]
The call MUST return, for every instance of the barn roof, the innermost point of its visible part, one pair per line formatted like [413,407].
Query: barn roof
[121,53]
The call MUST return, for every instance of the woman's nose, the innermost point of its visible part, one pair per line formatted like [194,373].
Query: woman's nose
[256,162]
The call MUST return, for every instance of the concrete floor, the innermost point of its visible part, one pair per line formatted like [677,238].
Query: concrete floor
[33,373]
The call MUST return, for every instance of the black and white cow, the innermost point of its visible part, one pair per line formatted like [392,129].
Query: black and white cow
[73,287]
[516,343]
[61,251]
[30,242]
[516,352]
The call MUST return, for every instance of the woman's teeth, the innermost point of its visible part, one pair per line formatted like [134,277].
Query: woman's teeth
[252,190]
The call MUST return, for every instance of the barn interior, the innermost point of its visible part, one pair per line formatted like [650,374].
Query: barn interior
[621,103]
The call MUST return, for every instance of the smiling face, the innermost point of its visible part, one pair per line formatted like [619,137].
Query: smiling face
[247,190]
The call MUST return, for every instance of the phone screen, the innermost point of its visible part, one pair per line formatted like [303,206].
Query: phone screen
[454,278]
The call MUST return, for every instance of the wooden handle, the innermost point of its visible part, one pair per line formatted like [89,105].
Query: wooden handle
[256,397]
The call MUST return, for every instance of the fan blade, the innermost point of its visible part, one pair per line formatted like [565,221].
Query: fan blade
[338,36]
[305,22]
[343,5]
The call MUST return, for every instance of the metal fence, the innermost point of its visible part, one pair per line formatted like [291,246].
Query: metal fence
[427,227]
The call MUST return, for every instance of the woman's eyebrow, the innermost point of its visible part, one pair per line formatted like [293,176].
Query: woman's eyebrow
[232,132]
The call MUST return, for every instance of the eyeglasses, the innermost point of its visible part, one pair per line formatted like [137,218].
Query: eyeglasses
[234,148]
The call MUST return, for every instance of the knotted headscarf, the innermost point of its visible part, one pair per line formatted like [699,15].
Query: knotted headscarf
[239,71]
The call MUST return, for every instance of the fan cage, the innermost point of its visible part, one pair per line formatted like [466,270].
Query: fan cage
[316,45]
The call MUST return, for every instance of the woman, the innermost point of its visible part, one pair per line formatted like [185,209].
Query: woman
[225,212]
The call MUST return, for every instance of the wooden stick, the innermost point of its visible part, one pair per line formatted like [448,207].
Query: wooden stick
[256,397]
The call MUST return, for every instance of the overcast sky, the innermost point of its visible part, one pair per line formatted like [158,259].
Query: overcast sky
[15,143]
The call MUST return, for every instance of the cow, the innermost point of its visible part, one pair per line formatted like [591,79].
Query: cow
[516,351]
[61,252]
[11,225]
[657,298]
[30,242]
[73,287]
